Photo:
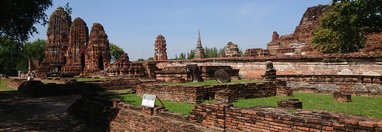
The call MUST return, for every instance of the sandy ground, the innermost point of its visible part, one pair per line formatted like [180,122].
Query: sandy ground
[38,114]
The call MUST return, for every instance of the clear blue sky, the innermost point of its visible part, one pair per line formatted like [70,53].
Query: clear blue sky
[134,24]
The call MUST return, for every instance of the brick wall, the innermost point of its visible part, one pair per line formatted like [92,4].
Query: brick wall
[225,93]
[118,116]
[37,88]
[326,64]
[276,119]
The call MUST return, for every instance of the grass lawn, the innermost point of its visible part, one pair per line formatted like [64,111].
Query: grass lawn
[365,106]
[4,86]
[88,79]
[211,82]
[172,106]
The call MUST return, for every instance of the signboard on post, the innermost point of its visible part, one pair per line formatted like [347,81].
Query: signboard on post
[148,100]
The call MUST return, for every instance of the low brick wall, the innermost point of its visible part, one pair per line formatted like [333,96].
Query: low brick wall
[174,93]
[332,78]
[276,119]
[118,116]
[367,89]
[131,118]
[37,88]
[225,93]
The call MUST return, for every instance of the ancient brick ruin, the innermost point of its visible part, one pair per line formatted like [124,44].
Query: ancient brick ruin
[75,55]
[97,56]
[199,51]
[299,42]
[232,50]
[70,51]
[256,52]
[160,48]
[58,40]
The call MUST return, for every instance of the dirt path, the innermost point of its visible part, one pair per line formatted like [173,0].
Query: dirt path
[37,114]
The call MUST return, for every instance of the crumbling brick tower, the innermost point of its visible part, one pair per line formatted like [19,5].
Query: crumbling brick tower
[58,39]
[232,50]
[97,54]
[160,48]
[199,51]
[75,55]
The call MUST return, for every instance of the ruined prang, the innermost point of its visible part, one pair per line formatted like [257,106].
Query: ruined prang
[58,39]
[97,56]
[299,42]
[199,51]
[75,55]
[160,48]
[232,50]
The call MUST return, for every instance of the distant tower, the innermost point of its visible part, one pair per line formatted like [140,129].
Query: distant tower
[199,51]
[160,48]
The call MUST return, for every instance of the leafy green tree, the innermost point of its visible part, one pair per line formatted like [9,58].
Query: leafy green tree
[344,27]
[18,18]
[115,51]
[191,54]
[182,56]
[10,56]
[34,50]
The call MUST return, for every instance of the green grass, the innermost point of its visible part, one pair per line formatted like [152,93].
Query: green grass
[360,105]
[172,106]
[210,82]
[4,86]
[88,79]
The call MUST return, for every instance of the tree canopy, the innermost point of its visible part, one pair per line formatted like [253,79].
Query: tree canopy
[17,18]
[346,24]
[115,51]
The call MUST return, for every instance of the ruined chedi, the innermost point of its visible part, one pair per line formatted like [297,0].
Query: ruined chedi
[97,56]
[75,55]
[58,39]
[199,51]
[160,48]
[232,50]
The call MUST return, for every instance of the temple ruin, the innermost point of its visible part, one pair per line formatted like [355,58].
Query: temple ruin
[75,54]
[58,40]
[160,48]
[97,56]
[232,50]
[299,42]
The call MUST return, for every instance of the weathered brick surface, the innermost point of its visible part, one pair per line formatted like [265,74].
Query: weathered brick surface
[38,89]
[97,55]
[276,119]
[160,48]
[58,39]
[117,116]
[225,93]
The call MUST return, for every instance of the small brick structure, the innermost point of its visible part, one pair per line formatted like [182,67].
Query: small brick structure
[342,96]
[290,104]
[282,89]
[270,72]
